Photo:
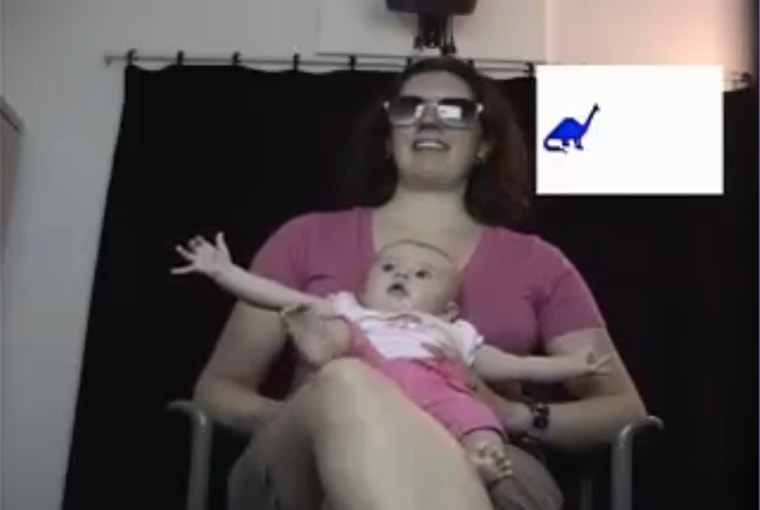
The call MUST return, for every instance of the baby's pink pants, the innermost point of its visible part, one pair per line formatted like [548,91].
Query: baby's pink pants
[435,386]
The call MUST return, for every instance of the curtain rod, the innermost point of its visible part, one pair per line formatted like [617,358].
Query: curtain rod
[349,61]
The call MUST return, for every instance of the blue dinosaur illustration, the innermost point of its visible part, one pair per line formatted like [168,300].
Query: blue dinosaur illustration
[569,131]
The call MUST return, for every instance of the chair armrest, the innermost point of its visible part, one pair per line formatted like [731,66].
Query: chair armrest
[202,429]
[621,493]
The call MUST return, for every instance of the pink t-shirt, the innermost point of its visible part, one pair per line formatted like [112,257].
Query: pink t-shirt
[517,289]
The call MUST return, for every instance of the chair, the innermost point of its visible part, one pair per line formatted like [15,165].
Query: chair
[620,456]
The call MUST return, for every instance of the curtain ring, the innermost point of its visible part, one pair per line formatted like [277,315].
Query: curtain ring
[352,63]
[131,57]
[236,58]
[296,61]
[180,58]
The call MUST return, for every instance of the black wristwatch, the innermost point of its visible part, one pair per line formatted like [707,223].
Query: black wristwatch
[541,415]
[532,440]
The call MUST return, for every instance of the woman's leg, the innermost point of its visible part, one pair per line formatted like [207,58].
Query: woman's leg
[356,433]
[531,486]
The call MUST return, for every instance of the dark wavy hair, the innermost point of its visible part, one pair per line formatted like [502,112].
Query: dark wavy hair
[498,192]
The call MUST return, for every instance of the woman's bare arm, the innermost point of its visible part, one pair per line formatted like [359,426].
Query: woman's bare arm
[227,387]
[603,404]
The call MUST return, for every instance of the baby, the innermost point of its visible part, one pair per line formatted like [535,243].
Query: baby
[402,320]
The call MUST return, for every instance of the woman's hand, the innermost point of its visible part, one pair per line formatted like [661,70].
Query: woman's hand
[204,257]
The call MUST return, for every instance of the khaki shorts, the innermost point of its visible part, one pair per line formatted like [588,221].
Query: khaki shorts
[531,487]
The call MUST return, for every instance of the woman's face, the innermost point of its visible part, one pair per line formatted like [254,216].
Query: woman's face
[438,147]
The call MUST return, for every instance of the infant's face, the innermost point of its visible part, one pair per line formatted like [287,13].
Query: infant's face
[408,277]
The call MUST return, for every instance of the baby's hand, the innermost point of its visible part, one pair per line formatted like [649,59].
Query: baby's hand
[591,364]
[204,257]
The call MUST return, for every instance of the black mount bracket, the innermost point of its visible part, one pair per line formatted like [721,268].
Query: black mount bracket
[435,32]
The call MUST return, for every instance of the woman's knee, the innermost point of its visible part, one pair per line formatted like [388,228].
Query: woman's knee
[346,394]
[531,487]
[344,381]
[342,387]
[344,374]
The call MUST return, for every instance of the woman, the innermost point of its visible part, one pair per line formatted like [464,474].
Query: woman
[443,163]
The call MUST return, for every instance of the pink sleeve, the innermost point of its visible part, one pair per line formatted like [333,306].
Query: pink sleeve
[283,256]
[565,302]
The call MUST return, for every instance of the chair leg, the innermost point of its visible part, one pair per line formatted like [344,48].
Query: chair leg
[586,492]
[621,495]
[200,454]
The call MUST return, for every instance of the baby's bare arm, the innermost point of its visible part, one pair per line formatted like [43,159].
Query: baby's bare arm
[214,261]
[493,364]
[269,294]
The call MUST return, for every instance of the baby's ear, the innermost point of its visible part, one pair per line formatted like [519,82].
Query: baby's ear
[452,311]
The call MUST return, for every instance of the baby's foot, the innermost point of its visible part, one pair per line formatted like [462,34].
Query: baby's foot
[315,341]
[490,462]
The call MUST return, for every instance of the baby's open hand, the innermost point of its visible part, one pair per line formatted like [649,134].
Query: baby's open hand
[203,257]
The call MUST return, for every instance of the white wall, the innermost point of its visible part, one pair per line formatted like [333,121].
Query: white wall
[652,32]
[70,103]
[1,47]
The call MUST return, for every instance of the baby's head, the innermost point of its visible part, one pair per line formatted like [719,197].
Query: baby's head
[413,276]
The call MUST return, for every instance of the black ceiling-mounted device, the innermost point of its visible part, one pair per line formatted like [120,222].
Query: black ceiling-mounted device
[434,20]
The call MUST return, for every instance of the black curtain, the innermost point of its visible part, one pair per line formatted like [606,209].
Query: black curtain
[230,148]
